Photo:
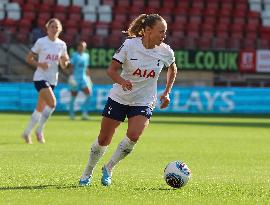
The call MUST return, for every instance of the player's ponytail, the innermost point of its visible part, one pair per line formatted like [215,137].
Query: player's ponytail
[138,25]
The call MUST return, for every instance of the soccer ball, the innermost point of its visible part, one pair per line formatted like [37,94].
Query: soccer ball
[177,174]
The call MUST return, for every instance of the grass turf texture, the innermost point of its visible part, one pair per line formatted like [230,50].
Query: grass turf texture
[228,156]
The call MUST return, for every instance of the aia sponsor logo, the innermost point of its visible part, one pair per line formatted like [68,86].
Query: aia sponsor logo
[52,57]
[144,73]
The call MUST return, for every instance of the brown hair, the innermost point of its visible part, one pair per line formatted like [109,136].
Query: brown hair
[138,25]
[54,20]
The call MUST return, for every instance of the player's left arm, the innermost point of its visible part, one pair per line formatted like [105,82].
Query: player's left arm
[171,75]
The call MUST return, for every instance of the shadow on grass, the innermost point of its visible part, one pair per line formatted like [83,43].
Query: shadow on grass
[155,189]
[207,123]
[39,187]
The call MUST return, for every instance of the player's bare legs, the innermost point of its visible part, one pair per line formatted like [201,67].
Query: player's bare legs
[86,92]
[35,117]
[99,147]
[47,106]
[136,126]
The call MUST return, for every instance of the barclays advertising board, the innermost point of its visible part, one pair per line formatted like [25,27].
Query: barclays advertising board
[23,96]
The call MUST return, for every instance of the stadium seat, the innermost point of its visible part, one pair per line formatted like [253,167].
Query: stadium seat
[45,8]
[266,18]
[154,4]
[49,2]
[75,17]
[138,3]
[124,3]
[255,6]
[63,2]
[104,13]
[234,43]
[13,11]
[44,15]
[248,43]
[219,43]
[108,2]
[61,16]
[198,4]
[79,3]
[102,29]
[98,41]
[204,43]
[2,11]
[89,13]
[59,9]
[36,3]
[93,2]
[263,44]
[20,2]
[190,42]
[114,41]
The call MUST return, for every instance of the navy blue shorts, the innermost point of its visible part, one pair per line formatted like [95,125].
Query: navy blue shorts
[42,84]
[119,112]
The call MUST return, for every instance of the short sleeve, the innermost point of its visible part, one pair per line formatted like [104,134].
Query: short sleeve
[170,59]
[73,58]
[37,47]
[121,53]
[64,50]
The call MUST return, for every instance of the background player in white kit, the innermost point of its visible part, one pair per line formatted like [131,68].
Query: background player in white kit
[51,52]
[133,95]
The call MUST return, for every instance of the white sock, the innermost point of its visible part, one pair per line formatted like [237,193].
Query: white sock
[96,153]
[123,149]
[32,122]
[46,113]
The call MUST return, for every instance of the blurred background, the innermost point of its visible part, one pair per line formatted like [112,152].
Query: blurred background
[220,46]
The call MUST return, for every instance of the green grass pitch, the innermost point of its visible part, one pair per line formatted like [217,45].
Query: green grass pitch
[229,158]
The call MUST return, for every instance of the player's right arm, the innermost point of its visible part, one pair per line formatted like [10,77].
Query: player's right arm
[113,72]
[31,59]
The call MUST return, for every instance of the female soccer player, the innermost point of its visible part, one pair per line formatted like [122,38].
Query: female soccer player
[80,79]
[134,93]
[51,52]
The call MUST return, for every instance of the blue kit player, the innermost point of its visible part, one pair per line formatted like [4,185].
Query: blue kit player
[80,80]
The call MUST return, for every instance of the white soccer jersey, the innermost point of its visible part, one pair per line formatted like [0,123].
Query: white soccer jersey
[50,52]
[142,67]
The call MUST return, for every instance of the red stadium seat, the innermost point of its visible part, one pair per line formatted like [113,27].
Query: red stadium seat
[191,42]
[114,41]
[44,15]
[124,3]
[59,9]
[150,10]
[61,16]
[98,41]
[75,16]
[210,20]
[29,7]
[74,9]
[263,44]
[138,3]
[198,4]
[154,4]
[185,4]
[219,43]
[234,43]
[29,15]
[249,44]
[108,2]
[170,4]
[205,43]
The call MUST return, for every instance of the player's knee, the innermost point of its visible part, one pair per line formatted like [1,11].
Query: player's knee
[52,104]
[134,135]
